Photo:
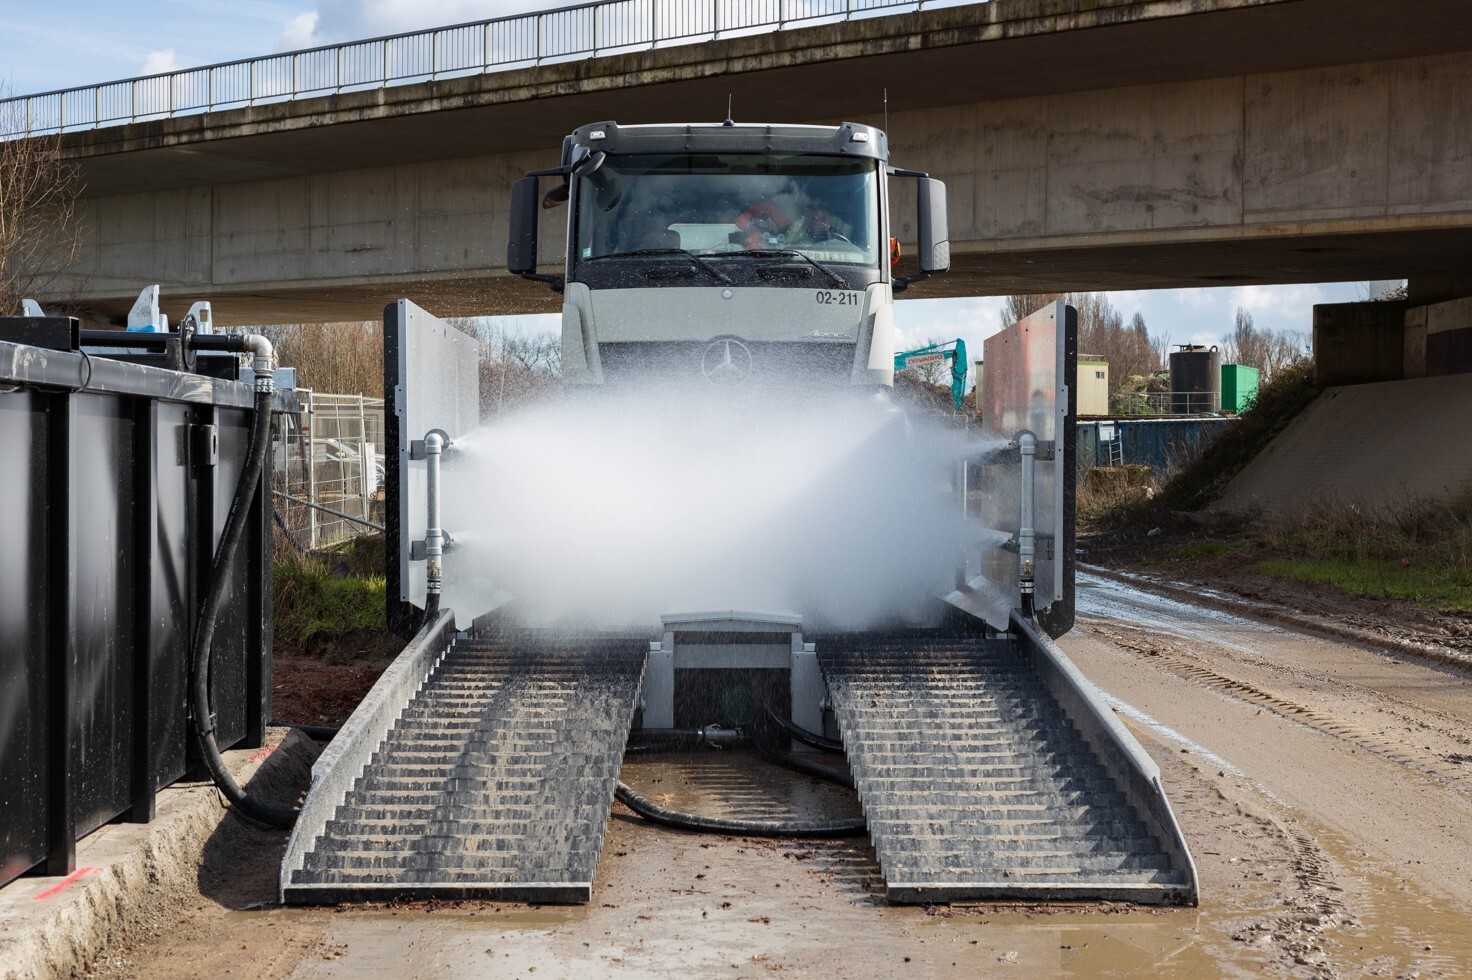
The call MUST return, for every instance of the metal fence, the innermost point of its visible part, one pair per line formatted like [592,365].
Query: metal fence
[518,41]
[1171,403]
[329,468]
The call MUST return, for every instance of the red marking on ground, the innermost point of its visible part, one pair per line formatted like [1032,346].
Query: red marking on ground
[263,753]
[68,881]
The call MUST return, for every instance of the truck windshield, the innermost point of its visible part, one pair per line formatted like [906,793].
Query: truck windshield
[710,205]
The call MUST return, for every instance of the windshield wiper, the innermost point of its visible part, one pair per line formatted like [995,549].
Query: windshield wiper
[636,253]
[786,253]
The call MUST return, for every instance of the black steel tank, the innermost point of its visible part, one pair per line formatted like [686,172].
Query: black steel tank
[1195,380]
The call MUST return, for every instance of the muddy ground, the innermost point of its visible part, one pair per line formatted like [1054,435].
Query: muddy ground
[1324,786]
[1162,555]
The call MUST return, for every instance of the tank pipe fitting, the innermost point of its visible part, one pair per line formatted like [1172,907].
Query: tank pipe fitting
[716,736]
[1026,531]
[434,536]
[262,362]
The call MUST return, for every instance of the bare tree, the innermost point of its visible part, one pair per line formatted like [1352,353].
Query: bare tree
[336,358]
[39,233]
[1133,355]
[1267,350]
[515,367]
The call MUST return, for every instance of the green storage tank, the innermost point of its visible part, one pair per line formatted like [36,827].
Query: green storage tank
[1239,388]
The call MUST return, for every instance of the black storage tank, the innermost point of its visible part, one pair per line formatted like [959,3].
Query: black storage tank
[1195,380]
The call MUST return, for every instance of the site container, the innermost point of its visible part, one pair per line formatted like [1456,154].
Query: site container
[117,481]
[1239,388]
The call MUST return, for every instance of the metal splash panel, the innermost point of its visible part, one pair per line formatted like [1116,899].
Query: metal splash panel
[431,381]
[1030,386]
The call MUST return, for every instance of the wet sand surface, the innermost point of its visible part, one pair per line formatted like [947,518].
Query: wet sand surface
[1325,791]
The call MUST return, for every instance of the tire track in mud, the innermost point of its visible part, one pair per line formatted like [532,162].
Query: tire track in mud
[1311,911]
[1455,771]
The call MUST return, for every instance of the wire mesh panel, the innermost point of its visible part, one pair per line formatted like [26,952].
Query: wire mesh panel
[329,461]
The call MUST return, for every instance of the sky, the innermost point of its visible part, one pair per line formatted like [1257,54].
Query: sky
[70,43]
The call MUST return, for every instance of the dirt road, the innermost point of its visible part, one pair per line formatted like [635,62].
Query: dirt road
[1325,790]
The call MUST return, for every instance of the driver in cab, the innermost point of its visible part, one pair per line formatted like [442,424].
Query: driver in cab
[763,225]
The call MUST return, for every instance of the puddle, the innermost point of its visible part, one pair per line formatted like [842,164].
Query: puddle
[1103,598]
[740,784]
[1394,928]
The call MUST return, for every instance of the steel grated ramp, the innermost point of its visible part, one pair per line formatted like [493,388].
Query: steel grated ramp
[495,781]
[974,782]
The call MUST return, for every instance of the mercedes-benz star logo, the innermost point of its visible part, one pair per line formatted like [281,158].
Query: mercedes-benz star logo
[726,363]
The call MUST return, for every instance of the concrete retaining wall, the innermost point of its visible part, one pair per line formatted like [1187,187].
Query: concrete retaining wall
[1383,446]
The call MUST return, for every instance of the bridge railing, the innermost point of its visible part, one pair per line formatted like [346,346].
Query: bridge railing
[516,41]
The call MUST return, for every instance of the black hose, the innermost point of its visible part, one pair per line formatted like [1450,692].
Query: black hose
[807,766]
[204,631]
[655,813]
[806,737]
[680,744]
[317,733]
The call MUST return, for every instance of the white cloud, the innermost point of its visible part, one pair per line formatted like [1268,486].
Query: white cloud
[301,32]
[160,62]
[335,21]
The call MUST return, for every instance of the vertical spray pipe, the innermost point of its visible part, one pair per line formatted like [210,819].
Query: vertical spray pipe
[1026,532]
[434,536]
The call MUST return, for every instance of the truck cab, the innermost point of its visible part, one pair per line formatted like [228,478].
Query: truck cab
[726,254]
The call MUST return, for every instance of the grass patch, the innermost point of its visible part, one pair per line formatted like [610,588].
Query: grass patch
[1420,554]
[1430,588]
[315,606]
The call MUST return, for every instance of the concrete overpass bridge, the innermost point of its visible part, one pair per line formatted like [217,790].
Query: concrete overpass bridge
[1110,144]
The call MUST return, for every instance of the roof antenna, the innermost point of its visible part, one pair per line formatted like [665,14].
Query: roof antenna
[886,112]
[729,121]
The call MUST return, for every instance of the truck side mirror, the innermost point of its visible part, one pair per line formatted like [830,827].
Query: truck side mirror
[521,245]
[935,244]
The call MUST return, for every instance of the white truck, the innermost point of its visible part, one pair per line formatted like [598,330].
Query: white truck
[727,253]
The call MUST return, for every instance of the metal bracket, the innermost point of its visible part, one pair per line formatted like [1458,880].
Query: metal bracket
[418,450]
[1043,543]
[419,550]
[204,444]
[1046,449]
